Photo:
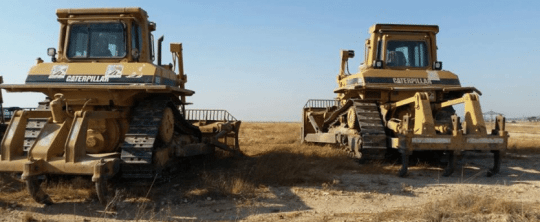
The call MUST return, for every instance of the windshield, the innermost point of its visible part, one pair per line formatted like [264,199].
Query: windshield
[406,54]
[97,40]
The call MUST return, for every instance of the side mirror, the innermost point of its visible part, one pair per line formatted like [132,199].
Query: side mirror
[437,65]
[52,53]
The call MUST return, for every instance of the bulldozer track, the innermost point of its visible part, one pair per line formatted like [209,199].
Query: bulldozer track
[371,129]
[140,140]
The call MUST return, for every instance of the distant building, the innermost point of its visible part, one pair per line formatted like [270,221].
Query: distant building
[488,116]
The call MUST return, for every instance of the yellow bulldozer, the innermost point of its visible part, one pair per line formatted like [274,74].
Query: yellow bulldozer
[110,111]
[402,100]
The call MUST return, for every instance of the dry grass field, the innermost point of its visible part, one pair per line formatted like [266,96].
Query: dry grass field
[524,137]
[282,179]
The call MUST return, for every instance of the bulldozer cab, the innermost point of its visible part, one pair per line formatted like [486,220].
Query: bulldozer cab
[109,46]
[114,35]
[402,47]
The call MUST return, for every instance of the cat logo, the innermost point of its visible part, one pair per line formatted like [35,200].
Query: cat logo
[412,81]
[87,79]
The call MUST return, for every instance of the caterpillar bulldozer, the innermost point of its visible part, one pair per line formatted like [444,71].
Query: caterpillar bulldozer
[401,100]
[110,110]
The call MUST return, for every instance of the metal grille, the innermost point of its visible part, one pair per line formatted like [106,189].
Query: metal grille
[209,115]
[321,103]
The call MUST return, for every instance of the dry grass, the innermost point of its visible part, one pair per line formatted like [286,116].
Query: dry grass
[11,191]
[524,137]
[28,217]
[59,188]
[70,189]
[465,207]
[275,157]
[278,157]
[255,138]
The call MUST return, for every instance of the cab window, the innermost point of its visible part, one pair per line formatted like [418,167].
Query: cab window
[136,37]
[97,40]
[406,54]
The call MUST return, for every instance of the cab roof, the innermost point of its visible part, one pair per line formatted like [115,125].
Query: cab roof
[403,28]
[67,13]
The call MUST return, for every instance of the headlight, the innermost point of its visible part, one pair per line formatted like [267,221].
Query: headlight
[437,65]
[354,81]
[51,51]
[377,64]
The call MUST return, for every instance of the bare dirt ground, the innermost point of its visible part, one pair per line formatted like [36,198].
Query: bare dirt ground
[282,180]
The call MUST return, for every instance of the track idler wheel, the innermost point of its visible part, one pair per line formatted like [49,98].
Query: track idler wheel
[166,129]
[33,184]
[404,163]
[351,118]
[496,163]
[451,164]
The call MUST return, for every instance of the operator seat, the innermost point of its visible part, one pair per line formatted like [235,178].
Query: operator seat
[101,48]
[396,59]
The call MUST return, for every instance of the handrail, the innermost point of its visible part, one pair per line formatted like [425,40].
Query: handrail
[321,103]
[209,115]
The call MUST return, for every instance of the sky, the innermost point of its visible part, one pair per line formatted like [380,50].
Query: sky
[262,60]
